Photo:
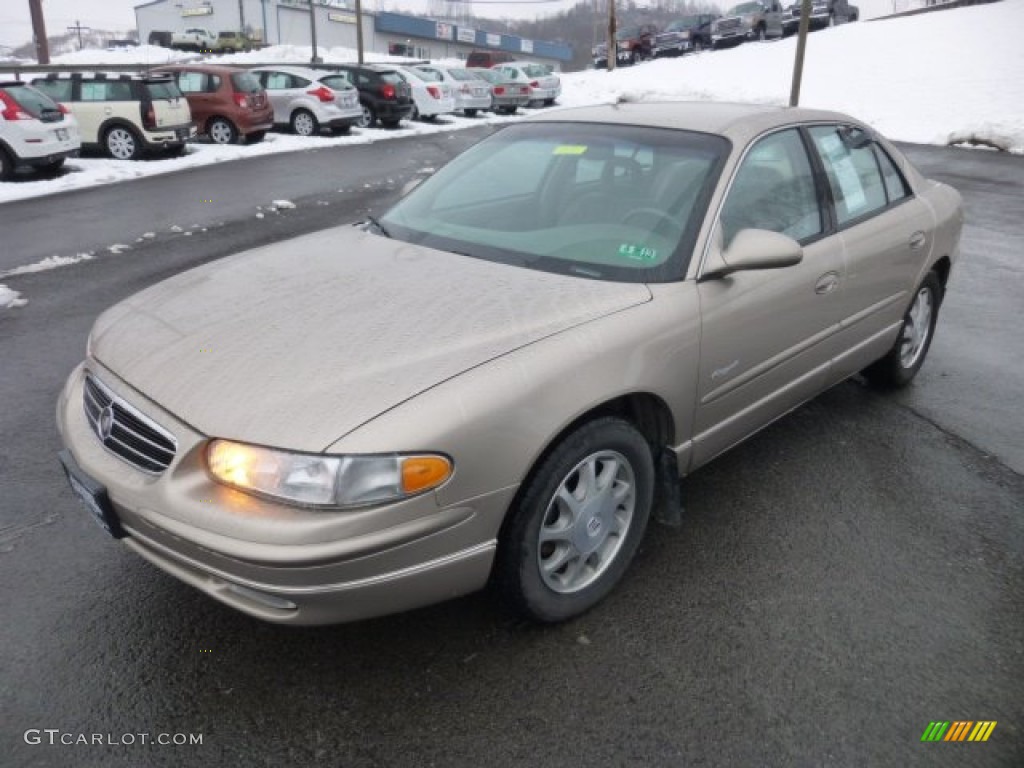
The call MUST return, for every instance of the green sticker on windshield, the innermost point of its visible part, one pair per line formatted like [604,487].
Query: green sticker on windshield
[638,252]
[569,149]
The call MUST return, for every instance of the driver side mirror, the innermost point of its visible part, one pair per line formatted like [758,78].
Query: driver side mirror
[752,249]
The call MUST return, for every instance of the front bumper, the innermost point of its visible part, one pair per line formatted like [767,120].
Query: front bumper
[272,561]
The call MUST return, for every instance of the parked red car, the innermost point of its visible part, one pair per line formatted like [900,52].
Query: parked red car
[228,104]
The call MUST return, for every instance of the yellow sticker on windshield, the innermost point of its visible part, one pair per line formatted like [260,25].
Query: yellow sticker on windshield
[569,149]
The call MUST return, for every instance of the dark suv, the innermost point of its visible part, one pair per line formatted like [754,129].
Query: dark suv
[383,94]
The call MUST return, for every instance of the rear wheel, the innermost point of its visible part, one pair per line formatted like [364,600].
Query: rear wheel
[304,123]
[122,143]
[391,123]
[222,131]
[578,522]
[470,112]
[698,46]
[54,166]
[761,36]
[255,137]
[901,364]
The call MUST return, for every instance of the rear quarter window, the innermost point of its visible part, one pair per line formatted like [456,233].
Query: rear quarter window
[32,101]
[55,89]
[245,82]
[167,90]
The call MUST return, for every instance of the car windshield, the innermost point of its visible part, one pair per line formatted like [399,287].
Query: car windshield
[462,74]
[415,74]
[536,70]
[489,74]
[429,75]
[628,33]
[739,10]
[245,82]
[609,202]
[689,22]
[337,82]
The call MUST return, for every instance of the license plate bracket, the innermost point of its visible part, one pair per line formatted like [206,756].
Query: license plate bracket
[93,495]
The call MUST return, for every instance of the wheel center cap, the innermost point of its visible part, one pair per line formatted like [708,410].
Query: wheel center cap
[594,526]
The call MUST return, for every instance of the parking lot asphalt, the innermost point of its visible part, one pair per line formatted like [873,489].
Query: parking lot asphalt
[844,578]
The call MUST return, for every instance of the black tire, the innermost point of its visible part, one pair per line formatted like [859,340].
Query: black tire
[698,46]
[368,119]
[549,102]
[391,123]
[762,35]
[255,137]
[415,113]
[896,370]
[304,123]
[6,166]
[469,112]
[517,573]
[122,143]
[221,131]
[343,130]
[53,167]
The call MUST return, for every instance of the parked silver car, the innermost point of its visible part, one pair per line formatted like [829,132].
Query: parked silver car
[506,95]
[504,381]
[545,85]
[471,94]
[310,100]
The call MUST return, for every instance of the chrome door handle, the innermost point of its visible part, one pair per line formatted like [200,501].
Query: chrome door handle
[826,283]
[917,240]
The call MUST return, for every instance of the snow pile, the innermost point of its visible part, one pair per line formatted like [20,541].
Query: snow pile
[934,78]
[149,55]
[290,54]
[10,299]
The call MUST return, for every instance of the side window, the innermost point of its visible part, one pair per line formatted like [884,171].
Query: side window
[94,91]
[895,185]
[190,82]
[300,82]
[277,81]
[774,189]
[119,92]
[212,83]
[852,173]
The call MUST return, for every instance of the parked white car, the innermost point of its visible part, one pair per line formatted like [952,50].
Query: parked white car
[471,93]
[545,85]
[431,94]
[35,131]
[310,100]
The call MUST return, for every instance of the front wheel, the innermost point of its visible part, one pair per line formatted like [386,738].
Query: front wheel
[255,137]
[577,522]
[901,363]
[470,112]
[367,118]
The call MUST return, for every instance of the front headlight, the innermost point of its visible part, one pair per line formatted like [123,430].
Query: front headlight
[325,481]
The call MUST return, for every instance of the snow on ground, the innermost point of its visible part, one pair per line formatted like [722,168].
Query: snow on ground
[10,299]
[937,78]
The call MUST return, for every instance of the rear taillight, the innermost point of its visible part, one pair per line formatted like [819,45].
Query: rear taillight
[498,90]
[535,84]
[323,93]
[241,100]
[148,117]
[63,110]
[434,91]
[387,91]
[11,109]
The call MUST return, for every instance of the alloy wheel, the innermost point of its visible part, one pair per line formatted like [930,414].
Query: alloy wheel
[916,328]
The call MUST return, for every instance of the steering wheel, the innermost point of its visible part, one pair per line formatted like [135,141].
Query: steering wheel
[660,217]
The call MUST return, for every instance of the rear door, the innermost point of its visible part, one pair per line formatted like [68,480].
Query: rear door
[199,90]
[278,86]
[886,232]
[767,336]
[169,106]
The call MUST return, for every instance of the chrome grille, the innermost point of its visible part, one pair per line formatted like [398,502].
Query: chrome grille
[124,431]
[728,25]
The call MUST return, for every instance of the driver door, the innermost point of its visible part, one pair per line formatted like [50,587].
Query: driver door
[768,335]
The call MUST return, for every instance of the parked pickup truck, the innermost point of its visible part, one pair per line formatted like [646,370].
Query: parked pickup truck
[635,43]
[690,33]
[195,39]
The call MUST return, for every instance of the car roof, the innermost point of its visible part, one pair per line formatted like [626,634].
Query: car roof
[213,69]
[371,65]
[307,72]
[738,122]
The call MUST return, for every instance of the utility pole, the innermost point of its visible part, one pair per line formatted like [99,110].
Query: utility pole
[39,31]
[241,17]
[79,29]
[359,29]
[613,48]
[314,59]
[801,45]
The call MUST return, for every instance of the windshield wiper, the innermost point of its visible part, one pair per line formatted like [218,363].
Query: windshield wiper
[381,229]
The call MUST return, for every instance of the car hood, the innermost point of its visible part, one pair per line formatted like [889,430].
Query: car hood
[296,344]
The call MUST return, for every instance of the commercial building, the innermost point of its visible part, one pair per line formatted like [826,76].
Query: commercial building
[287,22]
